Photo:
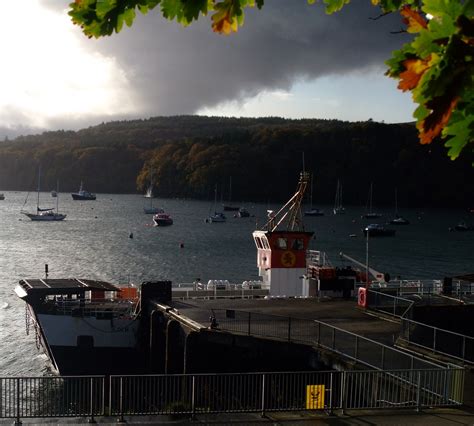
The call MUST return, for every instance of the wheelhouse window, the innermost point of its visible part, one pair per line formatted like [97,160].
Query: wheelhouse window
[281,243]
[298,244]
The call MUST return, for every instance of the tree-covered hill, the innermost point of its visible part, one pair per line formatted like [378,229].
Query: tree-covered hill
[189,155]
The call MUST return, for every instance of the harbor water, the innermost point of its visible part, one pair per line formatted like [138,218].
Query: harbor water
[113,240]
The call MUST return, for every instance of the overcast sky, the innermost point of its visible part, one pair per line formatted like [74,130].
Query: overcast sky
[289,60]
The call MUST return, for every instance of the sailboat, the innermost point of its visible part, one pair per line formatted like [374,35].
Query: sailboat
[229,207]
[44,215]
[370,214]
[312,211]
[338,208]
[398,220]
[217,217]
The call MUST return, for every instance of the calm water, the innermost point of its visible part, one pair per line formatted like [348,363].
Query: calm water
[93,242]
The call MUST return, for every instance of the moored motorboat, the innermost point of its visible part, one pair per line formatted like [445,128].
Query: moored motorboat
[399,220]
[83,195]
[162,219]
[378,230]
[314,212]
[217,217]
[2,196]
[463,226]
[243,212]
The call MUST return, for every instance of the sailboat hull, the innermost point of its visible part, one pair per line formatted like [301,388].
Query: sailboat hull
[45,217]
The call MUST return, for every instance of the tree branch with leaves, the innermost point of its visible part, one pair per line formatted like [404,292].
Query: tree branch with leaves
[437,66]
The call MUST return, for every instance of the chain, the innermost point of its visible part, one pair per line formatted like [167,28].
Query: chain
[27,319]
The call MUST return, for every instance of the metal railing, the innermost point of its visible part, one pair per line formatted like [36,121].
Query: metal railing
[439,341]
[40,397]
[317,333]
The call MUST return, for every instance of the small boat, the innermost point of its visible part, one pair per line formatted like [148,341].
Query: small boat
[463,226]
[313,211]
[243,212]
[2,196]
[398,220]
[217,217]
[338,208]
[162,219]
[152,210]
[229,207]
[54,194]
[44,214]
[371,214]
[83,195]
[378,230]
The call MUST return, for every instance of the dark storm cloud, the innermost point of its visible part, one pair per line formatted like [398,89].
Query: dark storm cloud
[178,70]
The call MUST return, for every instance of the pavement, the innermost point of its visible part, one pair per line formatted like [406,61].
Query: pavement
[439,416]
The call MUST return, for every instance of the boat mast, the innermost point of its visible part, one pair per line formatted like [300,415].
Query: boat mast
[39,185]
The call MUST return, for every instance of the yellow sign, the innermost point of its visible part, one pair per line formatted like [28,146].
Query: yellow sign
[314,397]
[288,259]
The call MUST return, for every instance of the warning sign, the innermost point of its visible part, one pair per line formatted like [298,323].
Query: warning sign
[314,397]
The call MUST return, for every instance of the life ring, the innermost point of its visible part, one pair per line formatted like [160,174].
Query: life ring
[362,297]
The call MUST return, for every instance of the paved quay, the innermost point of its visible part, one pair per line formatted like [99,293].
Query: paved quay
[440,416]
[344,314]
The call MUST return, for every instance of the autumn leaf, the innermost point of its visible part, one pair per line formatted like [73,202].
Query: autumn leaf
[414,70]
[441,110]
[413,19]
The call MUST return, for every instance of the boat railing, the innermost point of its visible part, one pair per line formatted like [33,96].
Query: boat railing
[87,307]
[317,258]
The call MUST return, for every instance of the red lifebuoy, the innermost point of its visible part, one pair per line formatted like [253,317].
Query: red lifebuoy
[362,297]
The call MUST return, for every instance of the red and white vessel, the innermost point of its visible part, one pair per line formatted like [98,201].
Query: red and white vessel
[282,247]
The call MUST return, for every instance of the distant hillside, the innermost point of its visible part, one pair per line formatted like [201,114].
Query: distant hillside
[189,155]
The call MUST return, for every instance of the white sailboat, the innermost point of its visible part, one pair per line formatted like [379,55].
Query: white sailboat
[312,211]
[217,217]
[44,214]
[369,213]
[338,208]
[398,220]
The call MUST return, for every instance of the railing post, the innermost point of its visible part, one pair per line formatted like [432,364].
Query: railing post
[383,358]
[464,348]
[193,398]
[319,333]
[331,385]
[109,411]
[17,420]
[91,389]
[263,395]
[434,339]
[356,354]
[121,420]
[343,391]
[418,392]
[334,338]
[394,306]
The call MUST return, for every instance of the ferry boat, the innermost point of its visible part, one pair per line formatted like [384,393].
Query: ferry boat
[84,326]
[378,230]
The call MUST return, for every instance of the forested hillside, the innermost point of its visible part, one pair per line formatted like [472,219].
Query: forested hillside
[189,155]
